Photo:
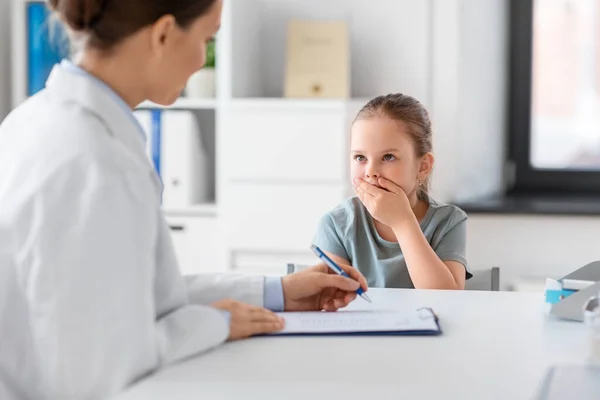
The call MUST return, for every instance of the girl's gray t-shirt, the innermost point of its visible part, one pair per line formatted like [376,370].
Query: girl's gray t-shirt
[348,231]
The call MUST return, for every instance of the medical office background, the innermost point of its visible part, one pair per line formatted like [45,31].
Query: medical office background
[512,88]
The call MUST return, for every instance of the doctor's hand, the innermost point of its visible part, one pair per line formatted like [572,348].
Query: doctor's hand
[319,288]
[247,320]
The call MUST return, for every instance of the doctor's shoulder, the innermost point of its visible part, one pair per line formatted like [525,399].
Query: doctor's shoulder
[50,134]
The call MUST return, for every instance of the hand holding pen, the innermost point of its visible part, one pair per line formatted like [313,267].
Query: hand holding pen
[338,270]
[322,287]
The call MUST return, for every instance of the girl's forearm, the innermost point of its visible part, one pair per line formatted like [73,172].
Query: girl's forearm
[426,269]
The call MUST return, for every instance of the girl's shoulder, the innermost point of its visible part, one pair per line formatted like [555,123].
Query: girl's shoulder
[445,214]
[345,214]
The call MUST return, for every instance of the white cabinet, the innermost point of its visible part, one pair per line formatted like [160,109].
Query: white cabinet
[290,166]
[287,143]
[196,243]
[276,217]
[270,262]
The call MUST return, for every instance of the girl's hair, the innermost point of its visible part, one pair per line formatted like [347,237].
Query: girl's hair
[412,113]
[105,23]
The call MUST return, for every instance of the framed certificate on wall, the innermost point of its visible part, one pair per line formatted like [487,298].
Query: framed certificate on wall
[317,60]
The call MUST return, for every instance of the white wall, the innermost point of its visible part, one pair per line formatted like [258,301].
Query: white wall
[532,246]
[5,91]
[469,60]
[483,82]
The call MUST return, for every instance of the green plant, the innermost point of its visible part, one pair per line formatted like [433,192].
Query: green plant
[210,54]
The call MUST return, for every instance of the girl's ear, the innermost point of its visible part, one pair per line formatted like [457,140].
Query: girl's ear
[426,166]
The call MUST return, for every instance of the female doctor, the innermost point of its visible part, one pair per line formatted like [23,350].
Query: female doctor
[80,215]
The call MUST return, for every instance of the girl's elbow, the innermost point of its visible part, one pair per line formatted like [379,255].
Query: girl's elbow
[454,286]
[458,283]
[441,286]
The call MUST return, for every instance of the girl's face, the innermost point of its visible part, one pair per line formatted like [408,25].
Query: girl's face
[382,148]
[178,53]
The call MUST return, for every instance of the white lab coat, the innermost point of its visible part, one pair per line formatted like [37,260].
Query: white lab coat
[99,300]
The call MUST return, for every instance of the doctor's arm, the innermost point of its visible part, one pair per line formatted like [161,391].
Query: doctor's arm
[260,291]
[314,289]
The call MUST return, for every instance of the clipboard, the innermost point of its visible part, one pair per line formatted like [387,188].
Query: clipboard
[419,322]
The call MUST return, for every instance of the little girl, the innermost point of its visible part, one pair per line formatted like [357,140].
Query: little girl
[393,231]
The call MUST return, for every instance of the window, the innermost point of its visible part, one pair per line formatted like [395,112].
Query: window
[555,96]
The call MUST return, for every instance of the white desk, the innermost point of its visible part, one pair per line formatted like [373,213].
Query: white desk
[495,345]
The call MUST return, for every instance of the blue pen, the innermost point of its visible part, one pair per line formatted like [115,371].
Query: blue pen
[335,268]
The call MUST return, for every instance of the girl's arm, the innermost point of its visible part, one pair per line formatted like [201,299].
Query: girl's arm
[337,259]
[328,239]
[426,269]
[450,275]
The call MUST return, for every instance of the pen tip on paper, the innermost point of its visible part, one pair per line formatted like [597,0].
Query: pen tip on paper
[364,296]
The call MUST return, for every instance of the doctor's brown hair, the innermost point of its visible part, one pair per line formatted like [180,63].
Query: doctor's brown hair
[105,23]
[402,108]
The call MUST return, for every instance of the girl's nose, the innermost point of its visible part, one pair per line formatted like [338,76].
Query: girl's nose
[371,172]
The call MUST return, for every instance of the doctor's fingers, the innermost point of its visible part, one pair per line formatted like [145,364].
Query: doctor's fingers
[258,314]
[266,327]
[264,321]
[340,299]
[354,273]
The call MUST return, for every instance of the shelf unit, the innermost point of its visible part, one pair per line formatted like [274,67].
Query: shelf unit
[256,39]
[276,104]
[197,210]
[183,103]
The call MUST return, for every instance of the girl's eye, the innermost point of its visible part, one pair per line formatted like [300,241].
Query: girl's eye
[389,157]
[359,158]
